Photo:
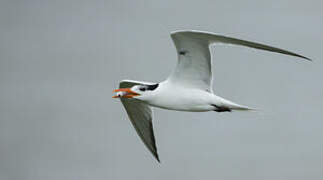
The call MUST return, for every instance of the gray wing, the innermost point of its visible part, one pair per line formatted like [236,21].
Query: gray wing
[140,115]
[194,59]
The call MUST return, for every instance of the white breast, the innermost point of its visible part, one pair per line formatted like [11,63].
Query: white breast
[174,97]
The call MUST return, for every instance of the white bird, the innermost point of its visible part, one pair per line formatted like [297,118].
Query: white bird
[189,86]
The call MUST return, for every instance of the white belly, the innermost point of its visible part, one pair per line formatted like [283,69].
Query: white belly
[173,97]
[183,100]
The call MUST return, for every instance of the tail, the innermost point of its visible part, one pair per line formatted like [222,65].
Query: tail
[234,106]
[244,108]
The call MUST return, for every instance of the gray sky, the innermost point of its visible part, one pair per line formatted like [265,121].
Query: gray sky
[60,61]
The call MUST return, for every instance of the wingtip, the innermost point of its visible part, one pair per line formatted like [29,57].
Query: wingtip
[157,157]
[308,59]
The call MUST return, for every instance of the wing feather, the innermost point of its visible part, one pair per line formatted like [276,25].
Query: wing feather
[140,115]
[194,67]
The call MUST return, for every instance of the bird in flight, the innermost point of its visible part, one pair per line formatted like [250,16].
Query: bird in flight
[188,87]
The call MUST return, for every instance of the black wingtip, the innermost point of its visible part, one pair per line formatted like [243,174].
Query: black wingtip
[157,157]
[306,58]
[300,56]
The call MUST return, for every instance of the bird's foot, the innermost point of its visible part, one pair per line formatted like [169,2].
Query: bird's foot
[221,108]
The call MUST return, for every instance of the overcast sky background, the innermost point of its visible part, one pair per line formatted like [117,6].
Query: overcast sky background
[60,61]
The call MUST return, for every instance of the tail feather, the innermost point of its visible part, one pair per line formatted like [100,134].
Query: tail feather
[225,105]
[234,106]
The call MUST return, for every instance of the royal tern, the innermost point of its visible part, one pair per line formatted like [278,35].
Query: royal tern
[189,86]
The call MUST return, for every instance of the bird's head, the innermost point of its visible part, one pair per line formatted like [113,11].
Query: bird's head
[136,91]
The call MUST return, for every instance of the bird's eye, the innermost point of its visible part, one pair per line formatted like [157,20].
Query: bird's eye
[142,89]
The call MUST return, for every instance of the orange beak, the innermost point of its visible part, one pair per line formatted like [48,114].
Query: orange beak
[125,93]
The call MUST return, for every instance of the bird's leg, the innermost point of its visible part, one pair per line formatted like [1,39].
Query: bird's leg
[221,108]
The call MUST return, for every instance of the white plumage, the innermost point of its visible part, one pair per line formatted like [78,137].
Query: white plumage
[189,86]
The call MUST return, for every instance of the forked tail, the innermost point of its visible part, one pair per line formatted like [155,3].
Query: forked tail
[224,105]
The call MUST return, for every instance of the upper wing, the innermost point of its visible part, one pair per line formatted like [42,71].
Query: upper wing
[140,115]
[194,60]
